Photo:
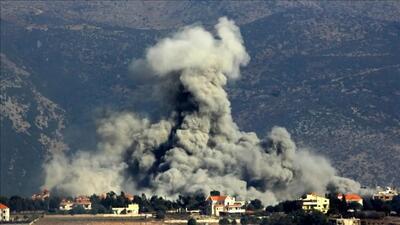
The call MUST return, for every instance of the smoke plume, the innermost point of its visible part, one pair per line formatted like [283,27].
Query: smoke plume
[197,147]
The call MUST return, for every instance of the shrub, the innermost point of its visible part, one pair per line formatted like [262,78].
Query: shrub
[223,221]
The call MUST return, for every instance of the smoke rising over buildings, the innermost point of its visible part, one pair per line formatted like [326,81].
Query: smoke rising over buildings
[197,147]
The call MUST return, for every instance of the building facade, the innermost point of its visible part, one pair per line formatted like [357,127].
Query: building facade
[4,213]
[351,198]
[66,205]
[314,202]
[45,194]
[130,210]
[225,205]
[345,221]
[83,201]
[386,195]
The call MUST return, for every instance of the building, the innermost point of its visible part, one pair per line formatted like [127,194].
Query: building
[351,198]
[386,195]
[66,205]
[4,213]
[83,201]
[344,221]
[225,205]
[45,194]
[314,202]
[131,210]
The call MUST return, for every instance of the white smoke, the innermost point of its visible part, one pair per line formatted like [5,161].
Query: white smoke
[198,147]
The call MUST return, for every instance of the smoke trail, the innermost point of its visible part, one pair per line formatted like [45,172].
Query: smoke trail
[198,147]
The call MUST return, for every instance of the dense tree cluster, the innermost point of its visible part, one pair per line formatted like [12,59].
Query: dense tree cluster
[286,207]
[347,209]
[287,212]
[298,217]
[17,203]
[255,204]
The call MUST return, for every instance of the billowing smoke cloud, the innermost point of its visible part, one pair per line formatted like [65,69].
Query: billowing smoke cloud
[197,147]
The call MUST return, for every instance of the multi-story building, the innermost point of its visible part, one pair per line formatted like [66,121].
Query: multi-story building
[386,195]
[4,213]
[225,205]
[314,202]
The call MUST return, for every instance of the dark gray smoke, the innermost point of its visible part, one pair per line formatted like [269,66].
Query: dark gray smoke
[198,147]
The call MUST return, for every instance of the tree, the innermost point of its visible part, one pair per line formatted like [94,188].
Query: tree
[4,200]
[276,208]
[98,208]
[244,220]
[192,221]
[54,202]
[291,206]
[396,204]
[215,193]
[223,221]
[307,218]
[77,210]
[355,206]
[255,204]
[278,219]
[160,214]
[367,204]
[16,203]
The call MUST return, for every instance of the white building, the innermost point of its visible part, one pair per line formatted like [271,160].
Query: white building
[345,221]
[83,201]
[66,205]
[314,202]
[4,213]
[225,205]
[131,210]
[386,195]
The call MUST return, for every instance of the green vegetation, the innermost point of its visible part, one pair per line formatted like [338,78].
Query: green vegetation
[255,204]
[192,221]
[284,213]
[286,207]
[296,218]
[224,221]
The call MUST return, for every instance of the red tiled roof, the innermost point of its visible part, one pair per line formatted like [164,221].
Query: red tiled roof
[217,198]
[82,200]
[350,197]
[2,206]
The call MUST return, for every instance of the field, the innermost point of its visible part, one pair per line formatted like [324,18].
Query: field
[93,220]
[100,220]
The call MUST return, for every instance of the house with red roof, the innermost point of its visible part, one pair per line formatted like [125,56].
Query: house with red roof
[45,194]
[83,201]
[4,213]
[225,205]
[351,198]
